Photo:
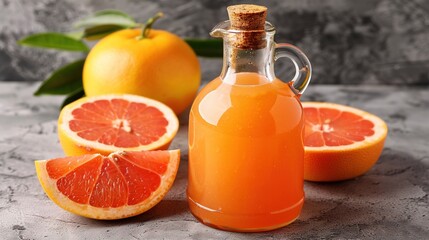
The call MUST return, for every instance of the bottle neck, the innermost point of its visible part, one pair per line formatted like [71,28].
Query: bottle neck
[259,61]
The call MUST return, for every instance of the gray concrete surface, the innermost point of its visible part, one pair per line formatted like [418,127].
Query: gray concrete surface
[389,202]
[348,41]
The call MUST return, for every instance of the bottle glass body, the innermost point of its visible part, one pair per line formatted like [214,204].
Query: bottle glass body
[245,145]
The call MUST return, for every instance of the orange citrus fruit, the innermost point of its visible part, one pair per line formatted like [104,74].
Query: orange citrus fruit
[341,142]
[108,123]
[120,185]
[161,66]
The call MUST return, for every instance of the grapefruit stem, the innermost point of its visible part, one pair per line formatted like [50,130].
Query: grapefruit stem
[148,25]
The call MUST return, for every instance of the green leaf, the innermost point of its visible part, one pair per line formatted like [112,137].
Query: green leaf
[206,47]
[112,11]
[78,35]
[66,80]
[55,41]
[98,32]
[73,97]
[106,18]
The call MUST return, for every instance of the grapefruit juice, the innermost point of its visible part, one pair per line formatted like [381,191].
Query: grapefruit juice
[246,154]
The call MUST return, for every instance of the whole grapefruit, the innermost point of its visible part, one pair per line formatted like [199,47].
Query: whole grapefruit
[160,66]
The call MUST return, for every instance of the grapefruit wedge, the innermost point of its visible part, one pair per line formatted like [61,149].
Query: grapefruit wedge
[120,185]
[340,142]
[108,123]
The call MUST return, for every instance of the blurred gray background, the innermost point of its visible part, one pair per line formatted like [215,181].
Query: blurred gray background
[348,41]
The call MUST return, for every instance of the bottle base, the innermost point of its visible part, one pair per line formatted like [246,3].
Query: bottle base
[245,223]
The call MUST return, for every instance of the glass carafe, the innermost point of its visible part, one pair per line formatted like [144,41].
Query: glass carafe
[246,138]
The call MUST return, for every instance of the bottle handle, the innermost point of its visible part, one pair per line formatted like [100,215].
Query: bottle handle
[302,65]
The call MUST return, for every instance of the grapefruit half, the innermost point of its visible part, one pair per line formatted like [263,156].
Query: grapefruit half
[340,142]
[109,123]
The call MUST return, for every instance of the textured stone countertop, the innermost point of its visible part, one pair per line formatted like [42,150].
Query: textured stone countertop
[389,202]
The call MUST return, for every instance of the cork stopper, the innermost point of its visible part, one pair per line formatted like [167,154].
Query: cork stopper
[250,19]
[247,16]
